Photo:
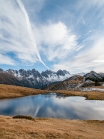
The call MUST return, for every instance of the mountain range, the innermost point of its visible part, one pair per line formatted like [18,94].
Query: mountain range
[33,78]
[78,82]
[50,80]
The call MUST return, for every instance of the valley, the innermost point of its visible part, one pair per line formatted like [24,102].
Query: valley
[59,126]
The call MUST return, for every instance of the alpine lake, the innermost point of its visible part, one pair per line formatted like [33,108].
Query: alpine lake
[53,106]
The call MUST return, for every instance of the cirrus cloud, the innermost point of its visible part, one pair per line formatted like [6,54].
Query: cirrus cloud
[67,35]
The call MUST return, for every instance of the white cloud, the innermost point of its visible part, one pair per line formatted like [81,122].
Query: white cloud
[59,41]
[6,60]
[14,36]
[56,40]
[91,58]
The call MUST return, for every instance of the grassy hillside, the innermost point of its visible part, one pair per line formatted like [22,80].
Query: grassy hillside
[26,127]
[44,128]
[91,95]
[10,91]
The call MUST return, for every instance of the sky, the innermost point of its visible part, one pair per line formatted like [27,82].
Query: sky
[52,34]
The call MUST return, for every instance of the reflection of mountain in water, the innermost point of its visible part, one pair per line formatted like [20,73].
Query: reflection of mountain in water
[53,105]
[56,95]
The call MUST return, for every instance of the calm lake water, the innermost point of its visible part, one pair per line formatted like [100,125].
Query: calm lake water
[53,105]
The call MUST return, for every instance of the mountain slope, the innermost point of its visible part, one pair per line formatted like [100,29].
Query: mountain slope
[71,83]
[34,79]
[94,76]
[50,80]
[78,82]
[6,78]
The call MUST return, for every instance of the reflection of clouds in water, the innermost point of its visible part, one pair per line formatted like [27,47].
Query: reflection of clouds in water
[99,109]
[54,106]
[3,104]
[30,106]
[54,113]
[84,109]
[23,106]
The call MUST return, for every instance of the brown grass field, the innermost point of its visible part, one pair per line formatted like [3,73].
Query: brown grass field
[11,128]
[26,127]
[10,91]
[92,95]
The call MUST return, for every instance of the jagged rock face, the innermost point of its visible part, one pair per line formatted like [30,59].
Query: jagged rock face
[78,82]
[47,73]
[62,72]
[55,76]
[73,82]
[33,78]
[50,80]
[93,76]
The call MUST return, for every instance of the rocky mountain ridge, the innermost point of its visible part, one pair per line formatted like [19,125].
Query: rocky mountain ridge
[35,79]
[51,80]
[98,77]
[78,82]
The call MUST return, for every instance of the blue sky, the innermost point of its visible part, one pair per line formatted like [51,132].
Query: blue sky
[54,34]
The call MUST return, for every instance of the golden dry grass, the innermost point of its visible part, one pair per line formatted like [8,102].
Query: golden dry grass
[26,127]
[50,129]
[10,91]
[91,95]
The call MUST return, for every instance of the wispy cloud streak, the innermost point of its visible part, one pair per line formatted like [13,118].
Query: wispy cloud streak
[65,35]
[30,31]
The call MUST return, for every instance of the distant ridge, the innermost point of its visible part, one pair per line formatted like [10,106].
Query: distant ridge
[33,78]
[50,80]
[78,82]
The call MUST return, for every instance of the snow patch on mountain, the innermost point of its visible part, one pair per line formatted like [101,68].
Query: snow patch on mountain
[92,89]
[35,79]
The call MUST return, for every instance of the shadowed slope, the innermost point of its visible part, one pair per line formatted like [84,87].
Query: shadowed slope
[6,78]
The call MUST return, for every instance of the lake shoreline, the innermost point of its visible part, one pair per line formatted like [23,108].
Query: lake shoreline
[10,91]
[46,128]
